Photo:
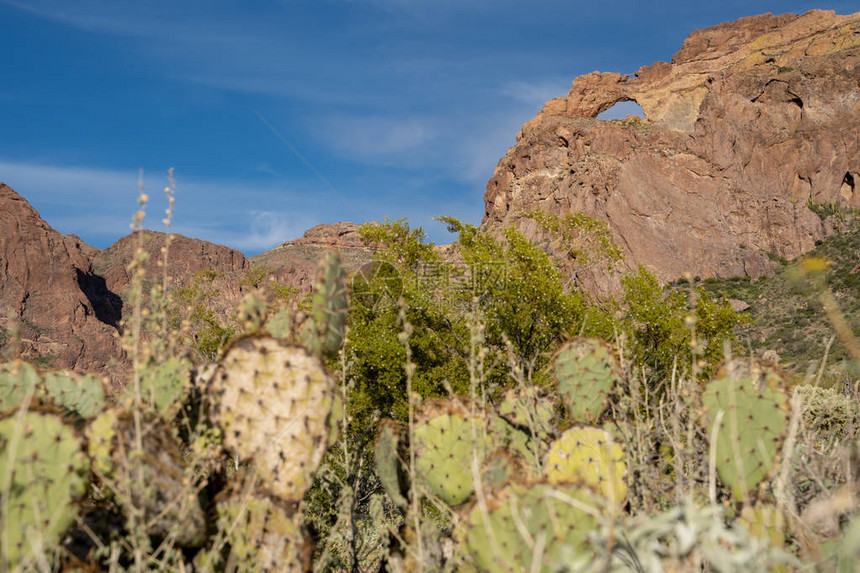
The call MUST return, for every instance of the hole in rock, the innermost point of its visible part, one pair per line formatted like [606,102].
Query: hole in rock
[621,110]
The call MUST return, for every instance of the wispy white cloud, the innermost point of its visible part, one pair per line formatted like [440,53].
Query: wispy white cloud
[97,204]
[377,139]
[257,230]
[536,93]
[410,87]
[96,16]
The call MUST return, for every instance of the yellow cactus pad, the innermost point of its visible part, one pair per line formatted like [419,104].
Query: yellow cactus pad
[588,456]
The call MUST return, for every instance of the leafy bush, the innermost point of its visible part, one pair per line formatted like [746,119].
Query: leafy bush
[667,333]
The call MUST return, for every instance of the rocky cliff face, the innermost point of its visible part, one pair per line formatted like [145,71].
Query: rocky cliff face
[752,128]
[65,314]
[65,297]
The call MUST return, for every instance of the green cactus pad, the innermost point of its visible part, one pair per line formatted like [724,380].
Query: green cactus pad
[44,471]
[588,456]
[388,463]
[444,451]
[586,372]
[166,494]
[323,333]
[274,404]
[280,326]
[531,410]
[263,535]
[500,468]
[252,312]
[17,380]
[82,394]
[754,410]
[163,385]
[521,521]
[518,442]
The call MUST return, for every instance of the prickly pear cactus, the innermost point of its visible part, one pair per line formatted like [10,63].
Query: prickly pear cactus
[158,478]
[274,404]
[752,408]
[82,394]
[280,325]
[163,385]
[444,450]
[388,462]
[586,373]
[263,535]
[323,333]
[43,470]
[17,380]
[539,527]
[100,437]
[525,421]
[764,521]
[501,468]
[252,312]
[531,410]
[588,456]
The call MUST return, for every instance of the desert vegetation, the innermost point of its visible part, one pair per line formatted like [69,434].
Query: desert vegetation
[466,409]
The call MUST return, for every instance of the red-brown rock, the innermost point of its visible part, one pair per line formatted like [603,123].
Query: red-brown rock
[185,257]
[751,123]
[65,315]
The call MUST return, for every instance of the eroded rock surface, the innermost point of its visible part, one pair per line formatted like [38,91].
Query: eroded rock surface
[752,123]
[65,315]
[66,298]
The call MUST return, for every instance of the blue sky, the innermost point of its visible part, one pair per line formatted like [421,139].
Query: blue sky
[279,115]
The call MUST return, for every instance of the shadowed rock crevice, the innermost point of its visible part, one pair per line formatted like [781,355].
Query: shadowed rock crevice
[778,91]
[848,186]
[106,305]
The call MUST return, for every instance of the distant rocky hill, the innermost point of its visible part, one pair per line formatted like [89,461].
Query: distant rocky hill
[66,298]
[751,138]
[186,256]
[63,311]
[295,262]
